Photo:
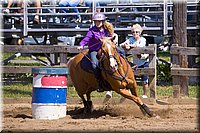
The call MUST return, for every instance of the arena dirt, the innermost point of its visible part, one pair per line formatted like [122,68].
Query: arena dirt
[176,115]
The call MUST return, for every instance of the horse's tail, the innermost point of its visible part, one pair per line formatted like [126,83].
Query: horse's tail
[69,66]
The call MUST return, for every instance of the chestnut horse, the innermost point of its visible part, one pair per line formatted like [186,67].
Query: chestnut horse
[116,73]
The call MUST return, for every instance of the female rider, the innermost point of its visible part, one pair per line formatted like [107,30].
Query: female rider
[101,29]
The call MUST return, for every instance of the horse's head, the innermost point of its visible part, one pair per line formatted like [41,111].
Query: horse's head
[108,49]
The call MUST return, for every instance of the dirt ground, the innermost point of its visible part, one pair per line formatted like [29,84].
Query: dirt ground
[173,115]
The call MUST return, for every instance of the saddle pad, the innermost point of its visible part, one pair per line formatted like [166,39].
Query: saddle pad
[86,64]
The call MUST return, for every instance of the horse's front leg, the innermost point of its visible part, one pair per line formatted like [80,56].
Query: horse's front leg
[125,93]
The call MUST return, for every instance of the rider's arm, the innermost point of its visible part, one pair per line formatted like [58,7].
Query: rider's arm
[86,39]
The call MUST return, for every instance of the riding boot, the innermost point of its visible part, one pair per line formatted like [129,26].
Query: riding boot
[97,74]
[100,86]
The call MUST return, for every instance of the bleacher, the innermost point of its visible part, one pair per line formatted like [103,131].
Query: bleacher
[155,17]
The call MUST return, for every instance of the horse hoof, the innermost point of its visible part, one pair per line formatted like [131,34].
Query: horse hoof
[88,107]
[146,110]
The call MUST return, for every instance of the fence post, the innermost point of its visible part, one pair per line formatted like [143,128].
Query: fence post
[63,58]
[180,37]
[153,78]
[175,78]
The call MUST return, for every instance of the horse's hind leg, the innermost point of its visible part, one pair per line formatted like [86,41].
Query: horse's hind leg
[88,106]
[89,103]
[84,102]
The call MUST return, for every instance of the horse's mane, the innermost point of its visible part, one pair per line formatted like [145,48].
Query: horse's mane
[108,39]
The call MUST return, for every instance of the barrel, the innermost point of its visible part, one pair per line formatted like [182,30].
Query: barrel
[49,93]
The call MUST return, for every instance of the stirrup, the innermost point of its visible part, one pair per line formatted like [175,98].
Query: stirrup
[100,88]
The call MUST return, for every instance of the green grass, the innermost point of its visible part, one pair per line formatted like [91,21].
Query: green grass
[5,55]
[25,90]
[17,90]
[164,55]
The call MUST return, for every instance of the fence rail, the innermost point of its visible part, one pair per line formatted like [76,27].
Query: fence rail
[177,71]
[63,50]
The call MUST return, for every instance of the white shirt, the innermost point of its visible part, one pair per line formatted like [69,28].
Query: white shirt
[139,43]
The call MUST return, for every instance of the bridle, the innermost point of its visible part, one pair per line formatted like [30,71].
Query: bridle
[113,72]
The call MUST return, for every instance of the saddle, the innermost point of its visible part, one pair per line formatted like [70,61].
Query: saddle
[86,64]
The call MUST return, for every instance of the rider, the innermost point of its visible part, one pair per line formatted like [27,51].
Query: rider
[101,29]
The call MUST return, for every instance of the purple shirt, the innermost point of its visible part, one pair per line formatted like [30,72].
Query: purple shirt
[92,38]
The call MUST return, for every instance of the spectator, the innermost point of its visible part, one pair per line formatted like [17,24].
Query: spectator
[10,3]
[71,3]
[98,3]
[37,4]
[89,3]
[105,2]
[20,3]
[139,60]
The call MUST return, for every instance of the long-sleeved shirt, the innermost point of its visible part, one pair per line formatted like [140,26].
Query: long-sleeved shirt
[92,38]
[139,43]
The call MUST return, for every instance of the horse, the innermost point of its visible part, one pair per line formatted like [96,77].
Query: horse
[116,74]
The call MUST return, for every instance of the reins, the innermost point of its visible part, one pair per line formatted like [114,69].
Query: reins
[112,73]
[91,46]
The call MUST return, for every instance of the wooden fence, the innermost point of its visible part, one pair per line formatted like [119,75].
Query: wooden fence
[177,71]
[63,51]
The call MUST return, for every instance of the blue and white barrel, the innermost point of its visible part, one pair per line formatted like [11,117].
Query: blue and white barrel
[49,93]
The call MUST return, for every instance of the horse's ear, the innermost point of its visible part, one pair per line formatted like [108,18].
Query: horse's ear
[113,38]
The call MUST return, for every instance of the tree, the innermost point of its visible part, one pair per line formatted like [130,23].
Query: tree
[180,38]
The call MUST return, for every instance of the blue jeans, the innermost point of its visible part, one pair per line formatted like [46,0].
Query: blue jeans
[70,3]
[144,77]
[88,3]
[104,2]
[95,63]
